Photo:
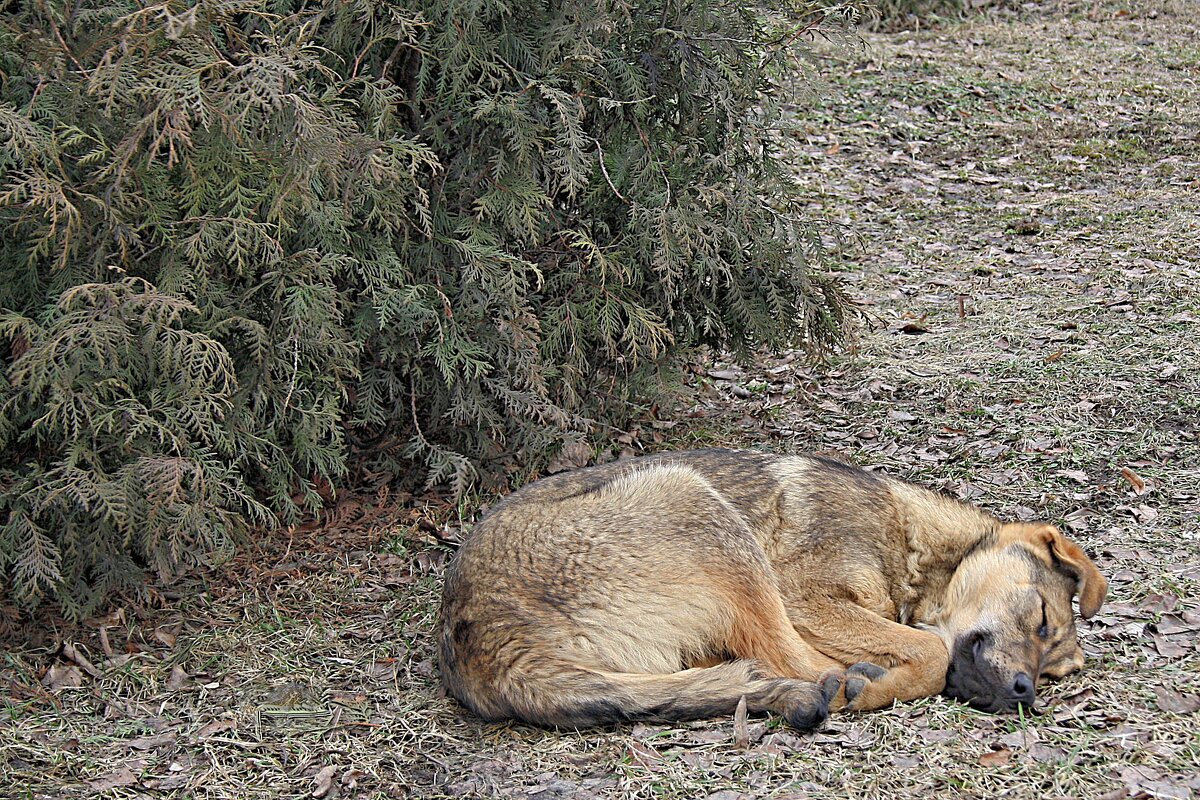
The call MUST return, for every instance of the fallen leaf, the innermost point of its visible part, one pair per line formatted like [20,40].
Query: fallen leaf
[1174,702]
[1079,476]
[1144,513]
[1076,524]
[936,735]
[741,736]
[176,780]
[431,560]
[1160,603]
[71,653]
[122,777]
[1046,754]
[858,738]
[151,742]
[1135,480]
[1125,576]
[324,781]
[1025,513]
[105,644]
[573,455]
[1170,624]
[1169,649]
[706,735]
[351,777]
[178,678]
[1020,738]
[215,727]
[1076,707]
[1135,776]
[63,676]
[1167,789]
[391,578]
[1128,737]
[1143,781]
[781,742]
[643,731]
[996,758]
[641,754]
[382,670]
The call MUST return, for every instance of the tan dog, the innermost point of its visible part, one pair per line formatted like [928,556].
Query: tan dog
[671,586]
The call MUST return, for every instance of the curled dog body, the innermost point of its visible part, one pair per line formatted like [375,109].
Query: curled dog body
[671,586]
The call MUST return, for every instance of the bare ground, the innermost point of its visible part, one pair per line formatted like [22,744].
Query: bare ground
[1024,195]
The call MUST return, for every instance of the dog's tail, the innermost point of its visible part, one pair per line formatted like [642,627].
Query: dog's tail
[569,696]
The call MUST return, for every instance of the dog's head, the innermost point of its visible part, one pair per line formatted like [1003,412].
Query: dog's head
[1008,621]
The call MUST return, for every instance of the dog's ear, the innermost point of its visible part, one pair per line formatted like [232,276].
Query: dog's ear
[1068,557]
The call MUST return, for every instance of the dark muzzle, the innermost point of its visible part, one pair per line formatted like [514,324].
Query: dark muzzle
[973,679]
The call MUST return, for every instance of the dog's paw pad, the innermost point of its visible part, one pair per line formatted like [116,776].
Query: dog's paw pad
[830,685]
[867,670]
[858,676]
[854,687]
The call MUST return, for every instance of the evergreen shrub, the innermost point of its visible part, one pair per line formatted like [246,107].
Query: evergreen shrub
[252,249]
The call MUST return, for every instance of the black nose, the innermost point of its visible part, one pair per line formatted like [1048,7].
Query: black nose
[1023,691]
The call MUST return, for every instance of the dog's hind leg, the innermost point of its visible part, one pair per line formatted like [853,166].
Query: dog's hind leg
[577,697]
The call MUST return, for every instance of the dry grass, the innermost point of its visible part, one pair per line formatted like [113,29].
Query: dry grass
[1026,197]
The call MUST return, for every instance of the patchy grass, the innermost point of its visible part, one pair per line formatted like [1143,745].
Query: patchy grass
[1025,201]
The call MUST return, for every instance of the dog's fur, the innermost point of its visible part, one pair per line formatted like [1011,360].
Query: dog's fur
[671,586]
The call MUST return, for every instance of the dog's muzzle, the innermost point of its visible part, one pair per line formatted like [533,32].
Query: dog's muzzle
[973,679]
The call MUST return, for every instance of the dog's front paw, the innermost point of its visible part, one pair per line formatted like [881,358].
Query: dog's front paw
[831,683]
[859,678]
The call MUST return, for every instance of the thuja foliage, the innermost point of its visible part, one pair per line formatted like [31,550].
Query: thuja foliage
[250,249]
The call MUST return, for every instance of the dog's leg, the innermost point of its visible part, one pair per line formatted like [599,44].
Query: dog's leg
[763,632]
[574,697]
[887,661]
[713,691]
[776,671]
